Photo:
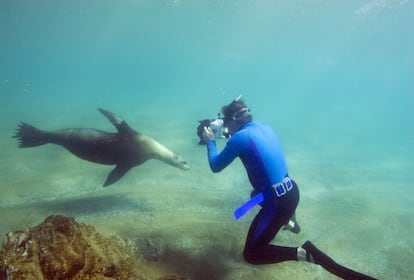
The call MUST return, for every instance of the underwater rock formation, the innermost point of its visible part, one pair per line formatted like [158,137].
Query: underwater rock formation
[61,248]
[173,277]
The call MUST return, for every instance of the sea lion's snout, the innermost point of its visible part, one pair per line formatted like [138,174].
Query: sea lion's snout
[184,165]
[181,163]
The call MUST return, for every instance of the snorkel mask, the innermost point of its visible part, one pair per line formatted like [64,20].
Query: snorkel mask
[236,110]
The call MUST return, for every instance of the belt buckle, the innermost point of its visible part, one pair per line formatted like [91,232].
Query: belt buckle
[280,189]
[288,183]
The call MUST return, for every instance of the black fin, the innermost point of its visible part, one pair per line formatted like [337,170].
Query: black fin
[330,265]
[118,122]
[29,136]
[116,174]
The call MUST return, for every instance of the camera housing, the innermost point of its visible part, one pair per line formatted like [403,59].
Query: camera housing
[216,126]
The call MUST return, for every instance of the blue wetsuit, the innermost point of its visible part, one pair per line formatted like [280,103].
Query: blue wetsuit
[259,149]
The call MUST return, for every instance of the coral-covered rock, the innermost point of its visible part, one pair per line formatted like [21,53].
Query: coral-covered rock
[173,277]
[61,248]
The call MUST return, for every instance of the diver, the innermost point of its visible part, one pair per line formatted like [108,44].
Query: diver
[259,149]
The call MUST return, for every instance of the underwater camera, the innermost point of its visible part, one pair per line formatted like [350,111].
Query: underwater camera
[216,126]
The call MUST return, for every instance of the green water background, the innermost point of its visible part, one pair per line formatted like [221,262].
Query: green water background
[333,78]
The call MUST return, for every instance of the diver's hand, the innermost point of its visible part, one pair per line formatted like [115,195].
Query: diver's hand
[208,134]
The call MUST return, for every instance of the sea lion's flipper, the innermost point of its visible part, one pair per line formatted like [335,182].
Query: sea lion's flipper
[120,170]
[30,136]
[119,123]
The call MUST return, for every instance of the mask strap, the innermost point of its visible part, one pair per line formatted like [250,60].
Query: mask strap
[240,112]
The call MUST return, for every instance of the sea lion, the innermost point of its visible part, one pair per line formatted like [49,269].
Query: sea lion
[125,149]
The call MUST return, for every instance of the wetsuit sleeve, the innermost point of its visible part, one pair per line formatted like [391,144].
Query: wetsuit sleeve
[219,161]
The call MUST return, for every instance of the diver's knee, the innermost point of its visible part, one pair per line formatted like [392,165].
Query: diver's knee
[249,256]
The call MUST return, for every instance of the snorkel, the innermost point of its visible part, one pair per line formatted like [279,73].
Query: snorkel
[238,98]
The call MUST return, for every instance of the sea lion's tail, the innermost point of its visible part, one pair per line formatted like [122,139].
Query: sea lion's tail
[29,136]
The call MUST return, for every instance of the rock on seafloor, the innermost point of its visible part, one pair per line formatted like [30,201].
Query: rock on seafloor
[60,248]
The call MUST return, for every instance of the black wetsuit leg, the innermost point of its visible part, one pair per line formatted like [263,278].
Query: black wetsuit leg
[264,228]
[267,224]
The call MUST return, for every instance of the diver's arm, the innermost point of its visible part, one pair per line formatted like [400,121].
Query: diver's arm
[219,161]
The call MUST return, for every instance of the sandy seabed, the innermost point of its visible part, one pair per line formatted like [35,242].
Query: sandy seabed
[182,221]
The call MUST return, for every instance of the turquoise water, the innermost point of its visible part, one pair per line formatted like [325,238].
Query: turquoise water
[334,78]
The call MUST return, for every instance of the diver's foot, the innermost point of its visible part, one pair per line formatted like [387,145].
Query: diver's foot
[293,226]
[314,255]
[308,252]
